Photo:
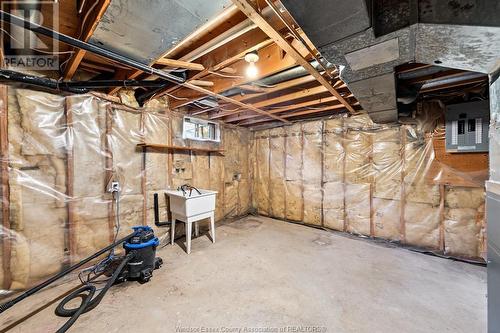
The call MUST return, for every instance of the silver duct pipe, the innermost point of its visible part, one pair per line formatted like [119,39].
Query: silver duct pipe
[286,75]
[437,83]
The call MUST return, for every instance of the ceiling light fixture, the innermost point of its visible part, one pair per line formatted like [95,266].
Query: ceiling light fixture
[252,58]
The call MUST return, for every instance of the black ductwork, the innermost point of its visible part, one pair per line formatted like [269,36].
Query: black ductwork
[76,87]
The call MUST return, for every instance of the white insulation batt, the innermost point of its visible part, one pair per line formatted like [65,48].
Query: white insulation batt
[346,174]
[371,180]
[63,152]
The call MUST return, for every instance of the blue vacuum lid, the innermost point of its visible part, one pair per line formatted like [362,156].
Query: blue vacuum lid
[144,237]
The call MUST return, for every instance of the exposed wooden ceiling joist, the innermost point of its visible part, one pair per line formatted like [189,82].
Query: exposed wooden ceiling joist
[236,116]
[271,61]
[278,87]
[242,34]
[437,75]
[87,29]
[227,99]
[180,64]
[296,114]
[246,7]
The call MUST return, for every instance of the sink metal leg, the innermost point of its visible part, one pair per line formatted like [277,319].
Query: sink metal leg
[196,229]
[172,231]
[188,236]
[212,227]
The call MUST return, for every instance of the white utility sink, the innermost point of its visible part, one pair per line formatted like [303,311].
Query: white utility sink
[192,207]
[189,206]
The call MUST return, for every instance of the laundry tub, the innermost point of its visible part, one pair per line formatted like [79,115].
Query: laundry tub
[191,208]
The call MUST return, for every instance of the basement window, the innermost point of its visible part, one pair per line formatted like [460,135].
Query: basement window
[200,129]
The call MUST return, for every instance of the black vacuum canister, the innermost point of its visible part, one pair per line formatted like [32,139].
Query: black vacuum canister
[144,244]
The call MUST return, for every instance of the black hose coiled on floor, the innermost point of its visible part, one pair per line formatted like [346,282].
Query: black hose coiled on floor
[88,302]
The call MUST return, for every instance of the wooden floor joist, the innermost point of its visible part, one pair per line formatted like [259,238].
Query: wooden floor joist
[237,116]
[230,100]
[95,15]
[271,62]
[180,64]
[246,7]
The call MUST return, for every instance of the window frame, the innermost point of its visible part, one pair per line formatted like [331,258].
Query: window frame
[204,122]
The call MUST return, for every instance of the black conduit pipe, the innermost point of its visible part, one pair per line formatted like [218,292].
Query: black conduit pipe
[56,277]
[157,212]
[77,87]
[15,20]
[12,76]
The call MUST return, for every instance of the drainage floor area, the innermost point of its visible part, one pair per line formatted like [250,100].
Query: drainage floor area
[263,275]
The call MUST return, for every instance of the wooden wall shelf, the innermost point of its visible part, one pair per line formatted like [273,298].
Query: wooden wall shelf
[180,148]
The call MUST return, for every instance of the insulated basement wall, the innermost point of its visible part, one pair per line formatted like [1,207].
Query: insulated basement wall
[380,181]
[60,156]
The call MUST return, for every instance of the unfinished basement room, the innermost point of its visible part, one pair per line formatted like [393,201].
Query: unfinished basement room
[258,166]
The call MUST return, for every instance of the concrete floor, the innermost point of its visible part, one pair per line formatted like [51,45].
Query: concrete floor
[264,273]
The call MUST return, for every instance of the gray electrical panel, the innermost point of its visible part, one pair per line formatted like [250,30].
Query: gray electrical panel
[467,127]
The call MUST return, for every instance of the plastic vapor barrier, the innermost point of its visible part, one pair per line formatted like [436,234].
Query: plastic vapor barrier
[59,155]
[393,182]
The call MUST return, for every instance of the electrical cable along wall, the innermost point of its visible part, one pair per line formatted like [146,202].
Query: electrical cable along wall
[63,152]
[392,182]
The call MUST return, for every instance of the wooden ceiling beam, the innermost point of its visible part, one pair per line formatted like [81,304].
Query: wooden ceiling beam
[229,100]
[434,76]
[87,32]
[180,64]
[192,39]
[246,7]
[312,111]
[278,87]
[292,96]
[202,83]
[271,62]
[296,114]
[237,116]
[410,67]
[98,67]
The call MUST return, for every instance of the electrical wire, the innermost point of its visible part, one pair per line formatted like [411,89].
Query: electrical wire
[101,265]
[88,290]
[175,97]
[227,75]
[82,26]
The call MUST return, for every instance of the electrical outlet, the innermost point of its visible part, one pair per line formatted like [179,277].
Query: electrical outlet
[115,187]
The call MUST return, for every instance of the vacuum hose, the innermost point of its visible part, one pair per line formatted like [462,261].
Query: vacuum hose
[88,302]
[34,290]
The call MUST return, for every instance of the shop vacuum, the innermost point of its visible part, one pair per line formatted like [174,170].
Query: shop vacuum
[137,264]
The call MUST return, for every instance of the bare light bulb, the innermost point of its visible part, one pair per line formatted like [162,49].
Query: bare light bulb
[252,71]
